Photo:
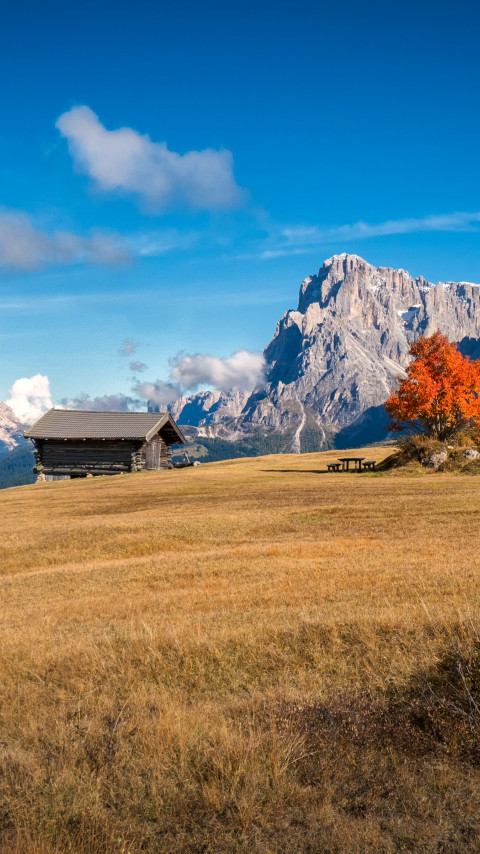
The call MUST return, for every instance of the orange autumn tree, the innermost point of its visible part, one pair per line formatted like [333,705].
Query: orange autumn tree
[441,393]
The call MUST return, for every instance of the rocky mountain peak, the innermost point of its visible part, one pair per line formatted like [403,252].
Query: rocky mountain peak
[207,408]
[336,357]
[350,279]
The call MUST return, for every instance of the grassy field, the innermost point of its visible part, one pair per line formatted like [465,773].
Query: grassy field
[248,656]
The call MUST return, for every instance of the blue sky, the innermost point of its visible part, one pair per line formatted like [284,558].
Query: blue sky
[258,139]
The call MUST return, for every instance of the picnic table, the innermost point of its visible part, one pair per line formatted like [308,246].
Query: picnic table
[357,461]
[344,464]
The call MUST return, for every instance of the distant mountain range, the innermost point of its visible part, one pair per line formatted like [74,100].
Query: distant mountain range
[334,359]
[329,367]
[10,429]
[16,454]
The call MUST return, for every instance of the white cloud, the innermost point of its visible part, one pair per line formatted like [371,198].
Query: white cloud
[24,246]
[442,222]
[300,239]
[29,398]
[104,403]
[151,244]
[124,160]
[128,347]
[159,392]
[244,370]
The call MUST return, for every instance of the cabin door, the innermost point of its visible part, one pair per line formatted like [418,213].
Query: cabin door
[152,461]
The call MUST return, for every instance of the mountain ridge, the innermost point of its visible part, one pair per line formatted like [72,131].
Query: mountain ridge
[336,357]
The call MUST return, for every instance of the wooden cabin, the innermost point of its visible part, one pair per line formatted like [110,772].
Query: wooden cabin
[75,443]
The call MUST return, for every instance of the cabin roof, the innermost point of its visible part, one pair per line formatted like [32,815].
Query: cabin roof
[81,424]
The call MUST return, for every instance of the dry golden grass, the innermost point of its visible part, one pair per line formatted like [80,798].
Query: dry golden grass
[226,658]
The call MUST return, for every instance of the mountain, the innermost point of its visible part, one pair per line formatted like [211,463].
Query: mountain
[334,359]
[11,430]
[16,453]
[208,409]
[16,466]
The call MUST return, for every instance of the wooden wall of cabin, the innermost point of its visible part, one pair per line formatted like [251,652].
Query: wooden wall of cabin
[157,454]
[90,456]
[98,456]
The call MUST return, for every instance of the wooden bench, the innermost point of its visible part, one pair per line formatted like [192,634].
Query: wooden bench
[333,466]
[369,465]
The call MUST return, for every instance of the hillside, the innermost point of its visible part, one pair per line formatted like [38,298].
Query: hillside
[244,656]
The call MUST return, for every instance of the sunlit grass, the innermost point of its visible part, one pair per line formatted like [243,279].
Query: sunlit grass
[159,633]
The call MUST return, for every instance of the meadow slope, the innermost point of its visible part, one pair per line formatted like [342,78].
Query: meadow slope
[246,656]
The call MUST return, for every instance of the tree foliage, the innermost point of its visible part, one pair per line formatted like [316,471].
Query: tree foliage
[441,393]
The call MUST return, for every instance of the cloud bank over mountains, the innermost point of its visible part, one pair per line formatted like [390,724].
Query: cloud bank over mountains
[242,370]
[103,403]
[124,160]
[30,397]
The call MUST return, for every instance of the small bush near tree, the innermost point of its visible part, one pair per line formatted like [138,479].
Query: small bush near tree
[440,396]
